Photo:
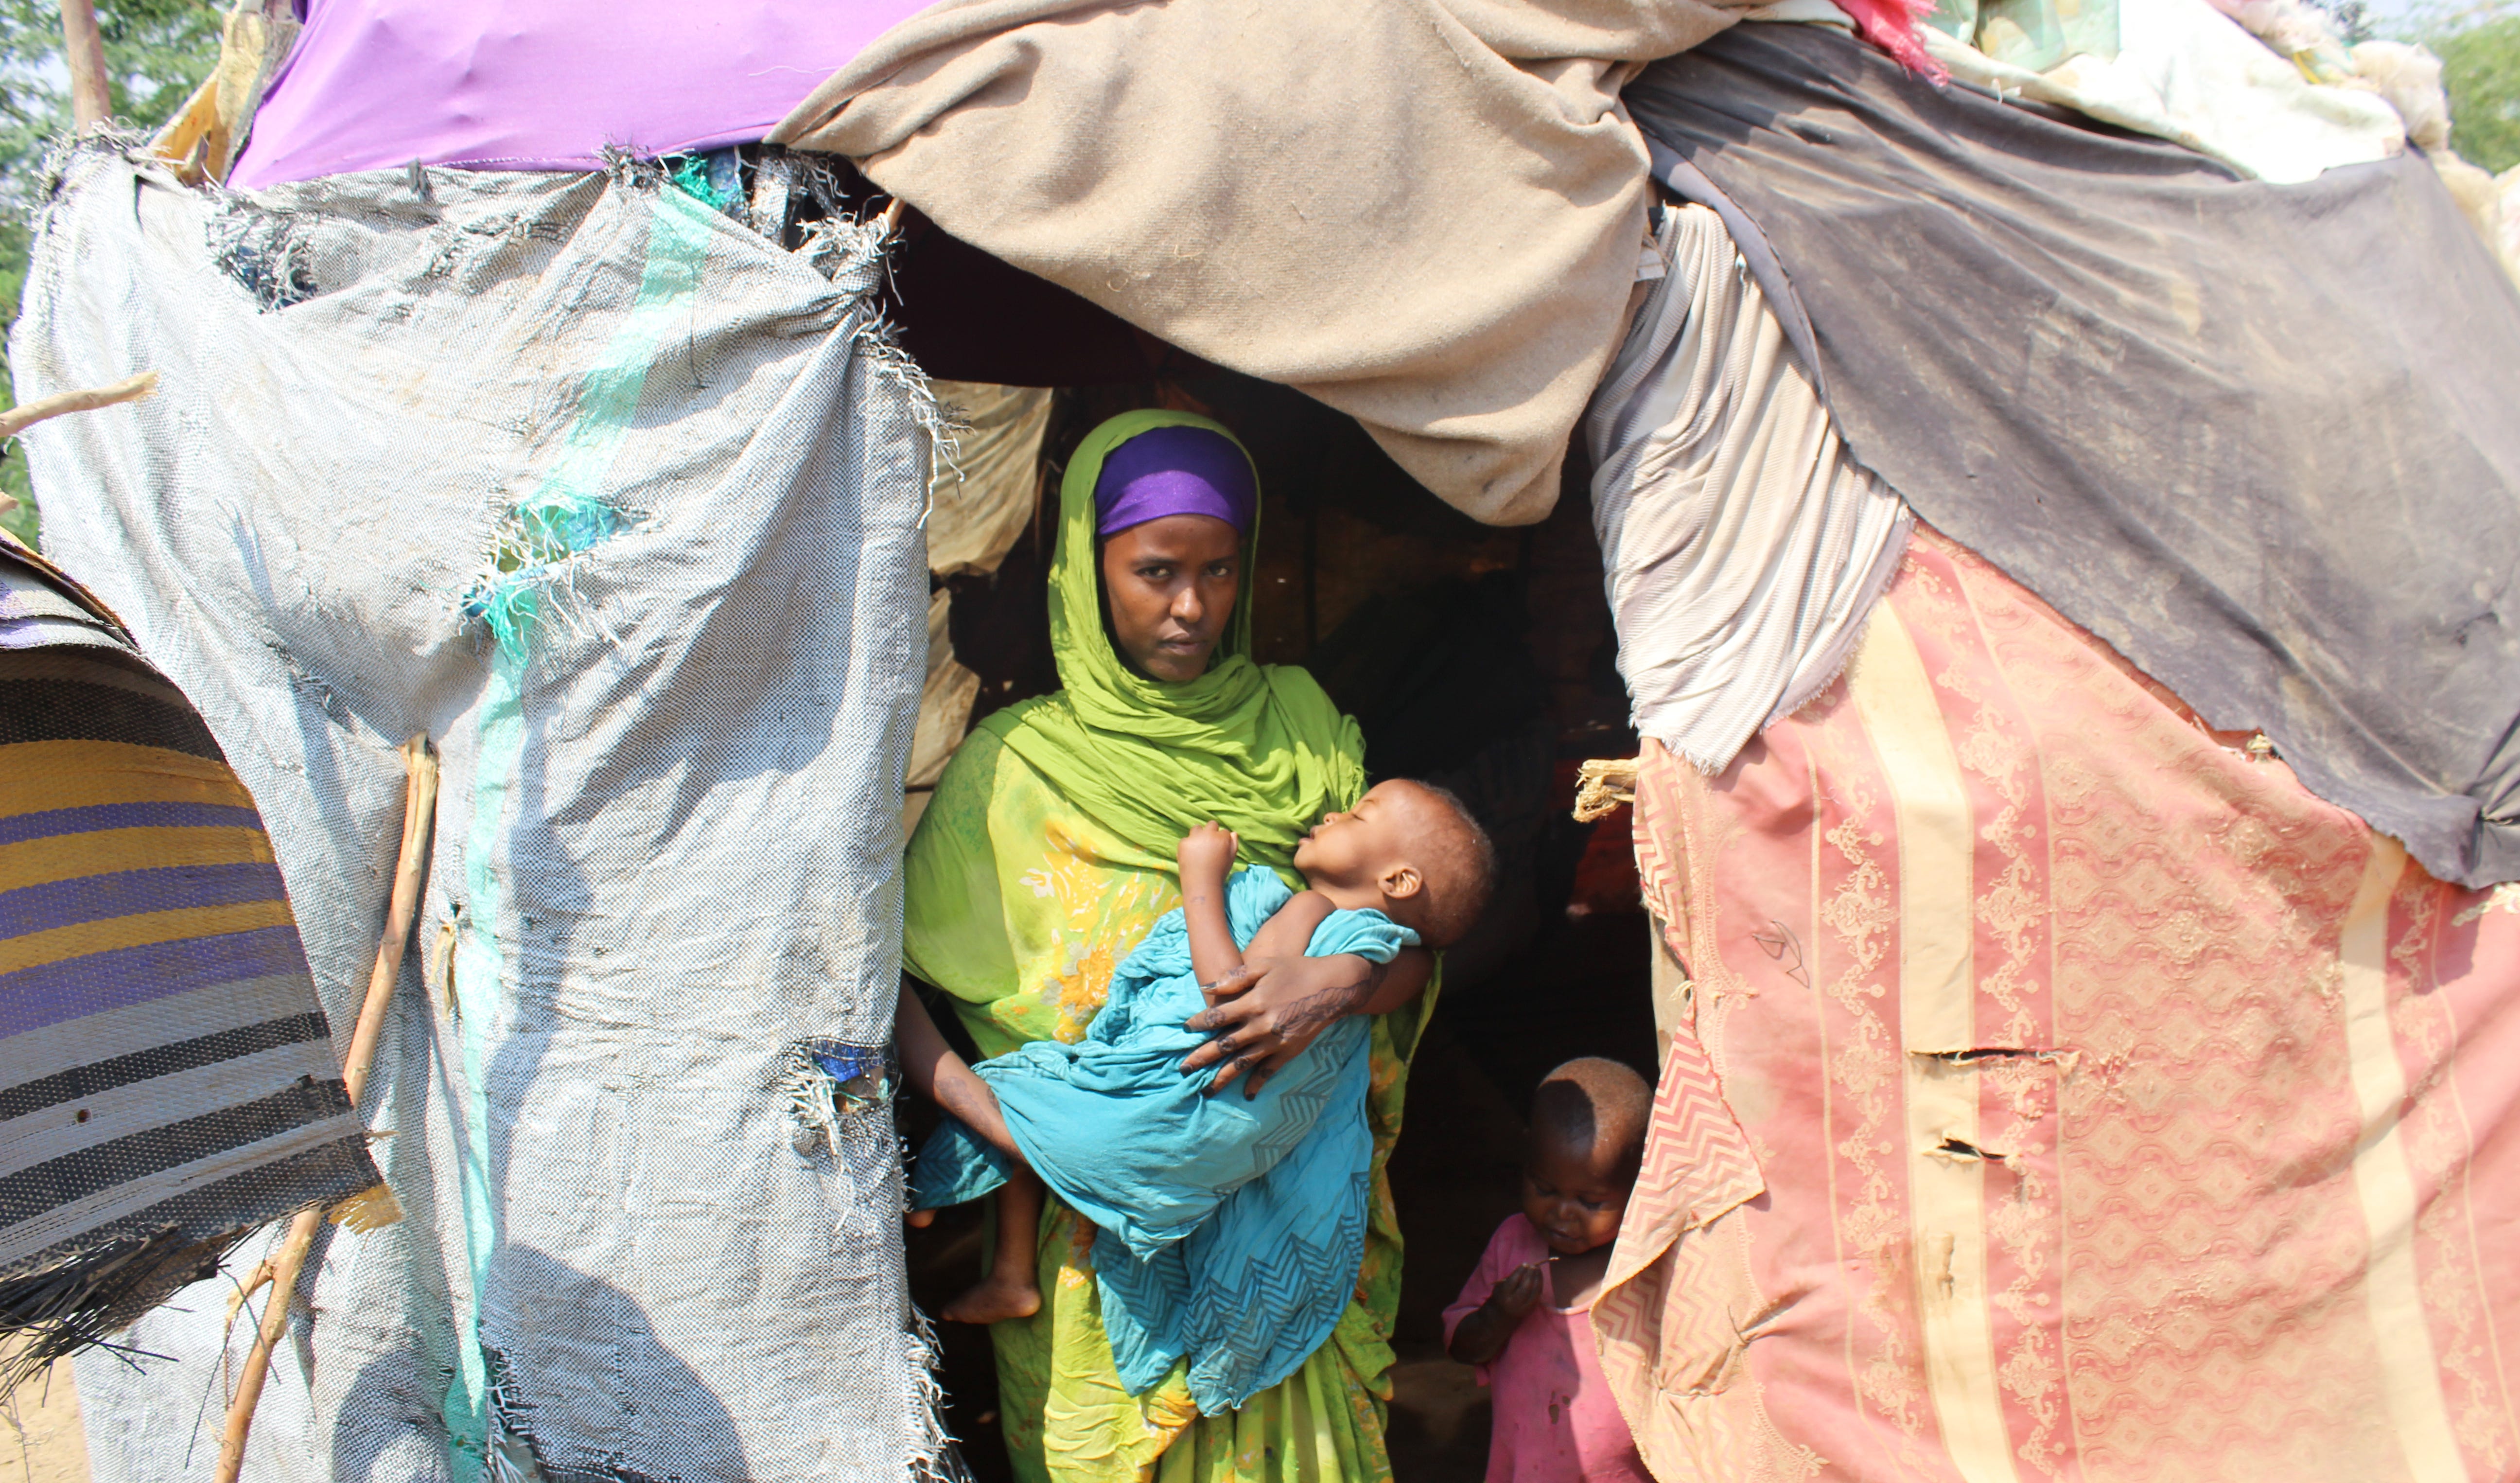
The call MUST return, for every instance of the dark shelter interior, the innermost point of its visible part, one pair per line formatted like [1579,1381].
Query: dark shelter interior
[1478,658]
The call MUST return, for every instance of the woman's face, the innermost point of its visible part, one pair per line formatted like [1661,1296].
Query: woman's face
[1171,585]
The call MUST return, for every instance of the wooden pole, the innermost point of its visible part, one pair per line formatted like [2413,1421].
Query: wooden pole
[83,52]
[411,873]
[17,419]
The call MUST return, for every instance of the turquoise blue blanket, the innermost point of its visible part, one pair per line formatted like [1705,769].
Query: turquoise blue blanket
[1230,1228]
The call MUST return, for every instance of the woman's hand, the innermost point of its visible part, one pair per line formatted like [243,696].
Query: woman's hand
[1268,1012]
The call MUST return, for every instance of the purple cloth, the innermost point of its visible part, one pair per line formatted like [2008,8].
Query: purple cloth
[375,85]
[1175,471]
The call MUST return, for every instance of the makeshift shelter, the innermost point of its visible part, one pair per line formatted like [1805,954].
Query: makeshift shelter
[2059,1074]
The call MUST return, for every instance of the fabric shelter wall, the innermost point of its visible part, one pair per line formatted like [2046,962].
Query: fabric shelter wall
[167,1078]
[375,85]
[2121,1109]
[1741,546]
[620,504]
[2257,436]
[1427,215]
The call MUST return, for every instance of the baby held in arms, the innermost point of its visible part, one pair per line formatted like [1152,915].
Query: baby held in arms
[1230,1228]
[1525,1317]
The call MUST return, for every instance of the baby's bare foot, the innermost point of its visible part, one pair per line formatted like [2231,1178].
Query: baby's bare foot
[992,1301]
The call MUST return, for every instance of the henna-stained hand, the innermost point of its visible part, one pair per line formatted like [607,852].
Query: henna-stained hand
[1268,1013]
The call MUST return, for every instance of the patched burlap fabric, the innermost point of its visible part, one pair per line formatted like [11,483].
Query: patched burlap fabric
[619,502]
[1426,214]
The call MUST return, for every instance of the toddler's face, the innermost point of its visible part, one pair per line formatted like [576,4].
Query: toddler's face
[1355,847]
[1575,1202]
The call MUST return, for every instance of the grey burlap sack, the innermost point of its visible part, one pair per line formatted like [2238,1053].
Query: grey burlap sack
[619,502]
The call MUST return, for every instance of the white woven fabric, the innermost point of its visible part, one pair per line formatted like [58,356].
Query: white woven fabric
[640,1240]
[1742,546]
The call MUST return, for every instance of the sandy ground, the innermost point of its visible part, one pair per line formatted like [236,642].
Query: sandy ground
[40,1438]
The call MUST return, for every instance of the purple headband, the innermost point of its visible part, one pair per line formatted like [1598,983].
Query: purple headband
[1174,471]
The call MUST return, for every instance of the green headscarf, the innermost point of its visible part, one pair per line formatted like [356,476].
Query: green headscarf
[1259,749]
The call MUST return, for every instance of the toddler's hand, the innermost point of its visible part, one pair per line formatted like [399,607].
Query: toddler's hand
[1519,1292]
[1208,852]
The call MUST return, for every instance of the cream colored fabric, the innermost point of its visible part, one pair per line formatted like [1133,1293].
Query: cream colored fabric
[1670,987]
[2189,73]
[944,714]
[980,498]
[220,114]
[1742,546]
[980,493]
[1423,212]
[2507,220]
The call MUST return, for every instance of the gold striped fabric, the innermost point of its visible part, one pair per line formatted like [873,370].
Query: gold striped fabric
[167,1080]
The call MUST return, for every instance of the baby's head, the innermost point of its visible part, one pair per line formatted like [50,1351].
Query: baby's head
[1409,850]
[1588,1135]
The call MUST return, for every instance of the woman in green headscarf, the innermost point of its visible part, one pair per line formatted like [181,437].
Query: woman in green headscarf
[1046,854]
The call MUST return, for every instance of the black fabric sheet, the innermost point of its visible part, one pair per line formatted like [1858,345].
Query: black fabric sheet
[2263,439]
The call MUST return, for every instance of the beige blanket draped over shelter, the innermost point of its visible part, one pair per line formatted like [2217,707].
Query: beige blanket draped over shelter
[1425,213]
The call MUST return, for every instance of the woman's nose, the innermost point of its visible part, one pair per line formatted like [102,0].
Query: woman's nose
[1187,606]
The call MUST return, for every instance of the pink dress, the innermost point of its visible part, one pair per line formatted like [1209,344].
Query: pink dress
[1556,1419]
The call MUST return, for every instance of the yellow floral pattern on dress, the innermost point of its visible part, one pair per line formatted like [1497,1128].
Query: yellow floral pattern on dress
[1099,915]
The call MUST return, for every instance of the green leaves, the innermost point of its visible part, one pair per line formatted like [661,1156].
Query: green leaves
[2480,68]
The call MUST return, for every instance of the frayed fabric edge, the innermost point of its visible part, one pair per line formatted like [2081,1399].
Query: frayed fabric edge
[940,1460]
[825,1082]
[1833,665]
[1837,658]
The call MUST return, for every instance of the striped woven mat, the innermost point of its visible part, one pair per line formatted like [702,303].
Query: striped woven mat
[167,1080]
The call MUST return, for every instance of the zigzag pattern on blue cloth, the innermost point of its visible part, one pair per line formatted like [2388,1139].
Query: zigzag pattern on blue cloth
[1249,1296]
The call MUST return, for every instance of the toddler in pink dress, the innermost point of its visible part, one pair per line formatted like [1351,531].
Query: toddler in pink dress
[1525,1317]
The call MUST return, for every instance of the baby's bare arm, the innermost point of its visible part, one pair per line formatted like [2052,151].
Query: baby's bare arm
[1289,929]
[1207,860]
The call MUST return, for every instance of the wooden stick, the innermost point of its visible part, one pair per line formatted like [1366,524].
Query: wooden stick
[17,419]
[411,871]
[83,52]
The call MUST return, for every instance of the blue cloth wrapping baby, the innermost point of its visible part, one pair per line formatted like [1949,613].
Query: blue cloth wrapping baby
[1230,1228]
